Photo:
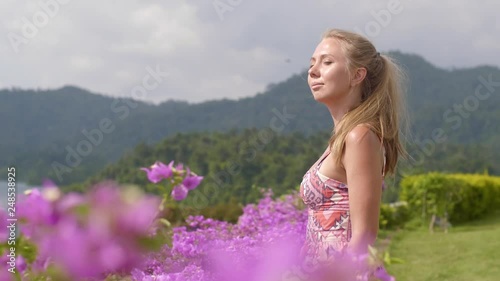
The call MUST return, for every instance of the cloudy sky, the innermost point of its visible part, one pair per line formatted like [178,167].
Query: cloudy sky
[212,49]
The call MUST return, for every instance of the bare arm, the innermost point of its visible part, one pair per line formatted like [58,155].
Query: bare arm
[363,165]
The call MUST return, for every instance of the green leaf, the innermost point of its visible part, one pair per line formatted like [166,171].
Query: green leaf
[151,243]
[165,222]
[397,261]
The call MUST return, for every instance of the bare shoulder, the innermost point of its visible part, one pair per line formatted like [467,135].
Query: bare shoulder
[362,135]
[362,153]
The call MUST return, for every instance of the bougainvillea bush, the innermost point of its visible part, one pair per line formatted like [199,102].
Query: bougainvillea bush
[116,233]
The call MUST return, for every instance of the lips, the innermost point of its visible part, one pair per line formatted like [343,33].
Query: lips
[316,86]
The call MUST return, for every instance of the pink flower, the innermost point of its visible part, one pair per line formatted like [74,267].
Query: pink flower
[159,171]
[4,231]
[382,274]
[88,236]
[37,210]
[191,182]
[179,192]
[179,166]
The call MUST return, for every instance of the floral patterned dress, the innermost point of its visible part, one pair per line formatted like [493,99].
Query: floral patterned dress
[329,225]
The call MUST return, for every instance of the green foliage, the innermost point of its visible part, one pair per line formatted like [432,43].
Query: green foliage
[481,196]
[393,216]
[460,197]
[22,247]
[229,211]
[234,164]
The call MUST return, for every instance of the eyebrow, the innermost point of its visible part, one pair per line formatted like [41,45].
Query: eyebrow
[323,55]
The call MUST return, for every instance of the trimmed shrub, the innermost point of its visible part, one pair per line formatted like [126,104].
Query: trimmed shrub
[393,215]
[459,197]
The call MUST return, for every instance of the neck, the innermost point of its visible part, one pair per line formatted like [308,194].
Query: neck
[337,113]
[339,108]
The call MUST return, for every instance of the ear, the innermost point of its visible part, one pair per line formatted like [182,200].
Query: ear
[359,76]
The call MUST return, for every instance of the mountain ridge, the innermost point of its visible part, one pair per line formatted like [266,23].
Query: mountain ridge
[52,121]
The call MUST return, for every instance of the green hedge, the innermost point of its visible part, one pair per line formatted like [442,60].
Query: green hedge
[463,197]
[393,215]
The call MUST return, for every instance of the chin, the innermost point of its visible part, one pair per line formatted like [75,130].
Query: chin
[318,97]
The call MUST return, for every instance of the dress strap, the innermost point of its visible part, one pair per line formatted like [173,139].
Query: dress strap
[322,158]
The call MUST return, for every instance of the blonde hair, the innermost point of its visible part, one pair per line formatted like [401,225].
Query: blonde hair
[382,105]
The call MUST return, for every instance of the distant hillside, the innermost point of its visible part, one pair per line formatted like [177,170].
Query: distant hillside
[236,164]
[42,126]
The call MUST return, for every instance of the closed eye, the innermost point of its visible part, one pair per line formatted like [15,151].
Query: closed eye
[326,62]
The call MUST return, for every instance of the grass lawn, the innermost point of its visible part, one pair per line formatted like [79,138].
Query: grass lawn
[469,252]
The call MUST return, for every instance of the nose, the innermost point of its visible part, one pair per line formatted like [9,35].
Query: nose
[313,71]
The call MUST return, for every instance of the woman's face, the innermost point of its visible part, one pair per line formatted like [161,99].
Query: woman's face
[328,77]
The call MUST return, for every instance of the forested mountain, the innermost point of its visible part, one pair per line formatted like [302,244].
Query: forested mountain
[42,130]
[236,164]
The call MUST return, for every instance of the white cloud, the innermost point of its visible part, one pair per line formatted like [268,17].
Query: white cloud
[84,63]
[163,31]
[105,46]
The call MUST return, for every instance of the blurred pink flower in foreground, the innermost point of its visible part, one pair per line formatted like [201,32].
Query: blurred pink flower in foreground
[89,235]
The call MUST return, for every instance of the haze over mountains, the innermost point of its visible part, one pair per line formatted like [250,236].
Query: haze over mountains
[70,133]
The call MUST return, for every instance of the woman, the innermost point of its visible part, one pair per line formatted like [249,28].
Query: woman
[361,89]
